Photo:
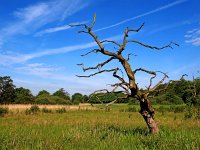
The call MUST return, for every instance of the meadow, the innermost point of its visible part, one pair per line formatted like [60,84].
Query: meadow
[99,128]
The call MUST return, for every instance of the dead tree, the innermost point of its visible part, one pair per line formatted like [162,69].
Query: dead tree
[130,87]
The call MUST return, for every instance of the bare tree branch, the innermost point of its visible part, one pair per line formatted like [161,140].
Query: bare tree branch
[151,79]
[93,22]
[121,84]
[153,47]
[166,86]
[182,77]
[111,70]
[78,25]
[92,51]
[159,83]
[144,70]
[111,41]
[99,66]
[117,76]
[129,56]
[126,32]
[136,30]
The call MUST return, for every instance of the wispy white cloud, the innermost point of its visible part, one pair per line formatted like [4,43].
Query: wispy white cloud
[7,59]
[51,79]
[32,13]
[56,29]
[193,37]
[38,69]
[33,17]
[144,14]
[51,30]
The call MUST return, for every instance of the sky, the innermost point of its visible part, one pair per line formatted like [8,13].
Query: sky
[39,50]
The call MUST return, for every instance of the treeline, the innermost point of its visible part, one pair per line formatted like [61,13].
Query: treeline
[179,92]
[9,94]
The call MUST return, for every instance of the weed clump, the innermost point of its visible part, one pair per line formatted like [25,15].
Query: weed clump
[46,110]
[61,110]
[3,111]
[33,110]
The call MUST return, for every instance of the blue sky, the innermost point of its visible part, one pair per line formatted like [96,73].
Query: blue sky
[39,50]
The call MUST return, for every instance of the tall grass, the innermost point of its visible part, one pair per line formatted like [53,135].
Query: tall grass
[96,129]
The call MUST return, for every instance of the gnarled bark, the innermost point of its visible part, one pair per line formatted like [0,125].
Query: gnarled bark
[147,112]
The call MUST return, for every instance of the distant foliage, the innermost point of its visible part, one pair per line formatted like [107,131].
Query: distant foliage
[62,94]
[43,93]
[179,92]
[49,99]
[23,96]
[77,98]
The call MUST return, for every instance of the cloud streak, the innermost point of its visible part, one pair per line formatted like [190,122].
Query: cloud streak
[56,29]
[144,14]
[193,37]
[7,59]
[32,18]
[52,30]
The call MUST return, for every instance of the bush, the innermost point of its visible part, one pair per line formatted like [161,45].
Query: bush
[179,109]
[198,114]
[33,110]
[3,111]
[46,110]
[61,110]
[188,114]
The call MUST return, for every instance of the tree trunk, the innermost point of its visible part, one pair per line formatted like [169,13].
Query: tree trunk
[147,112]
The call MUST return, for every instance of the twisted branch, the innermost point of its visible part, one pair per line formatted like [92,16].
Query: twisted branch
[159,83]
[101,71]
[126,32]
[111,41]
[154,47]
[92,51]
[99,66]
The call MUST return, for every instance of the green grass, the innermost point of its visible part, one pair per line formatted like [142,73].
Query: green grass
[96,130]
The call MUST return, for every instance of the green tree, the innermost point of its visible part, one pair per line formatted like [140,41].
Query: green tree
[62,94]
[43,93]
[77,98]
[85,98]
[23,96]
[7,91]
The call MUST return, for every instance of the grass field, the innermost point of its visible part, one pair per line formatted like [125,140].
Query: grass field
[96,129]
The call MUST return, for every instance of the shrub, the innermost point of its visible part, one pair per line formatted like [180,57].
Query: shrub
[46,110]
[3,111]
[188,114]
[179,109]
[33,110]
[198,114]
[61,110]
